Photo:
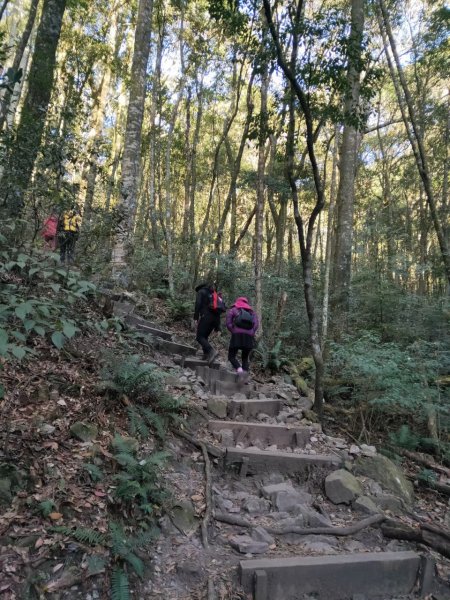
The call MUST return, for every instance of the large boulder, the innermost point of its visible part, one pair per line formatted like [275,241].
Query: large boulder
[387,473]
[342,487]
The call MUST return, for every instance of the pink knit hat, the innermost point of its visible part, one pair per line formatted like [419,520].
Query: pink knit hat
[242,302]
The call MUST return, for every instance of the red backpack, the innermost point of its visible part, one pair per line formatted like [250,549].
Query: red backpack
[216,302]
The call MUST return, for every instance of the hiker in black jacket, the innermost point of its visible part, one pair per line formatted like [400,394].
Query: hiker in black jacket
[209,306]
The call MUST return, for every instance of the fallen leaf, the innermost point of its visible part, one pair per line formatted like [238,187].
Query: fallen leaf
[55,516]
[197,497]
[39,543]
[99,494]
[58,567]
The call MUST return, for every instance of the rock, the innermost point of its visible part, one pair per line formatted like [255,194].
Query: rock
[319,547]
[85,432]
[262,417]
[368,450]
[354,546]
[342,487]
[366,505]
[373,487]
[183,517]
[190,567]
[383,470]
[310,415]
[227,437]
[273,478]
[261,535]
[223,503]
[47,429]
[257,443]
[282,416]
[285,498]
[272,448]
[246,545]
[218,407]
[312,518]
[389,502]
[255,505]
[239,396]
[354,449]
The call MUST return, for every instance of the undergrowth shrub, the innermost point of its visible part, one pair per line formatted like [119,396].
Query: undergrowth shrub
[400,381]
[153,407]
[138,485]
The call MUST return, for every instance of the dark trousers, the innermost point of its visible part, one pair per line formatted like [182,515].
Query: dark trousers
[205,327]
[232,353]
[67,246]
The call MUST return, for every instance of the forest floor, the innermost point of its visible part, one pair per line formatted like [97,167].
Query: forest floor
[51,486]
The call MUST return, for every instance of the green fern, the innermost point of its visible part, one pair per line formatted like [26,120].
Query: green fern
[94,471]
[46,507]
[82,534]
[122,548]
[136,423]
[405,438]
[120,587]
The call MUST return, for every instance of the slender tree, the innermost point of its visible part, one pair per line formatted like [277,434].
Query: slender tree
[131,159]
[34,110]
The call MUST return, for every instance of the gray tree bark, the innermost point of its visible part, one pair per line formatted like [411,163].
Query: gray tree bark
[34,110]
[18,57]
[131,160]
[342,260]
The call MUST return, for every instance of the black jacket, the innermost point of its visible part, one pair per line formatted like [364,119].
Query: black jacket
[202,300]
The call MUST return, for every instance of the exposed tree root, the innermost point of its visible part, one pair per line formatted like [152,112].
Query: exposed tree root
[212,450]
[208,499]
[424,534]
[338,531]
[422,460]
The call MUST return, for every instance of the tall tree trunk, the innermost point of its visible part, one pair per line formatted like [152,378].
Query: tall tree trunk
[34,110]
[18,57]
[235,167]
[329,242]
[304,240]
[188,173]
[3,7]
[345,200]
[414,134]
[260,195]
[228,121]
[193,176]
[156,84]
[131,160]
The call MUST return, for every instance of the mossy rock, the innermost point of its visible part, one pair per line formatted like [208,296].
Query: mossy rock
[12,479]
[387,473]
[183,517]
[306,365]
[301,385]
[86,432]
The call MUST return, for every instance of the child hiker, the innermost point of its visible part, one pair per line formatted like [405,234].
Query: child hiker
[242,322]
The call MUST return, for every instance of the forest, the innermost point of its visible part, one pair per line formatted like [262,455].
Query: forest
[294,152]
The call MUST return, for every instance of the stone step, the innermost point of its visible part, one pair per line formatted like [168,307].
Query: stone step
[136,321]
[372,576]
[123,309]
[192,363]
[170,347]
[252,407]
[268,434]
[155,332]
[211,375]
[257,461]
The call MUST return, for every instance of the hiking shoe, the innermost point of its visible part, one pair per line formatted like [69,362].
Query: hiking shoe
[212,356]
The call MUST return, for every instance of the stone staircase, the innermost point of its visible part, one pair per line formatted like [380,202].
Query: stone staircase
[258,447]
